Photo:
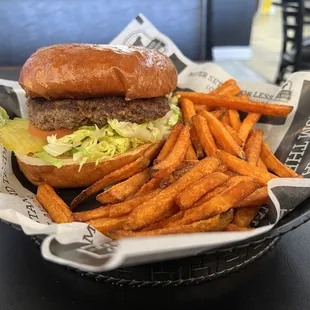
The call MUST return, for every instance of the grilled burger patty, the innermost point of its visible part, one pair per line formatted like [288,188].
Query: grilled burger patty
[73,113]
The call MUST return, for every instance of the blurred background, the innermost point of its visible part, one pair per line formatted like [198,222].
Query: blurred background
[259,40]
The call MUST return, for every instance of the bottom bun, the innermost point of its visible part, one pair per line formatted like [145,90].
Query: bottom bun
[69,175]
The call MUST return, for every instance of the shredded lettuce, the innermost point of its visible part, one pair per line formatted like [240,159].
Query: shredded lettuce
[49,159]
[151,131]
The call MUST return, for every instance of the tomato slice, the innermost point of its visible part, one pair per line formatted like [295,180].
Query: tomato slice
[42,134]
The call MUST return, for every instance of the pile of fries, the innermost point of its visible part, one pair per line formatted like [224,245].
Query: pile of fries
[211,174]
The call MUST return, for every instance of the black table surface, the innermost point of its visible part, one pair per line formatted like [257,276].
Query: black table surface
[279,280]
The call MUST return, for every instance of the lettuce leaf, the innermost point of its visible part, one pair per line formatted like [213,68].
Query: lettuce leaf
[49,159]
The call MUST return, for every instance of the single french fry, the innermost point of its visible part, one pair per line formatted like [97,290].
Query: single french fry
[238,103]
[200,107]
[54,205]
[153,150]
[222,136]
[229,88]
[188,110]
[216,223]
[190,153]
[170,142]
[149,186]
[83,216]
[234,119]
[176,156]
[218,113]
[234,227]
[151,210]
[165,222]
[244,96]
[238,178]
[123,190]
[222,89]
[178,173]
[244,216]
[225,119]
[192,194]
[196,143]
[247,125]
[218,204]
[116,176]
[104,225]
[252,146]
[234,134]
[273,164]
[129,205]
[261,164]
[204,135]
[257,198]
[172,210]
[242,167]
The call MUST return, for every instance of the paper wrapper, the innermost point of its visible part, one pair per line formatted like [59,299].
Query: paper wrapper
[81,246]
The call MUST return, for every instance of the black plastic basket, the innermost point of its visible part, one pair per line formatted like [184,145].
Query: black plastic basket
[205,266]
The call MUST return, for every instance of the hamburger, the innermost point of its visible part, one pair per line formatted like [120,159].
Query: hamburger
[91,109]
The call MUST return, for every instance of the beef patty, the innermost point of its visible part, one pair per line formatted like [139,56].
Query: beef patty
[70,113]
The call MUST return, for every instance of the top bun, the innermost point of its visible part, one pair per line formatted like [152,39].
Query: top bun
[80,71]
